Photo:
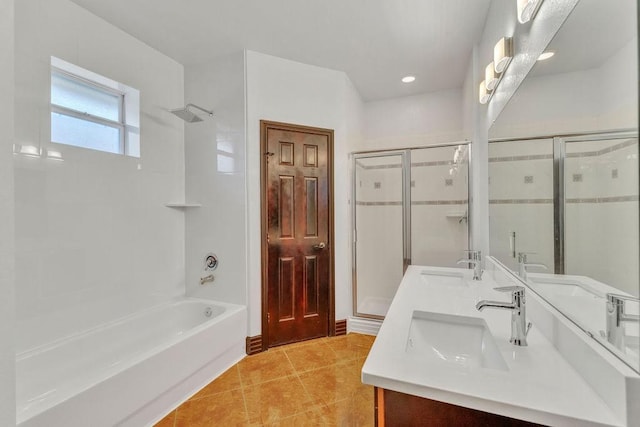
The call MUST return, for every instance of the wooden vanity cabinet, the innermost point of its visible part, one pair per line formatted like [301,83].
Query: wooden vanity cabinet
[395,409]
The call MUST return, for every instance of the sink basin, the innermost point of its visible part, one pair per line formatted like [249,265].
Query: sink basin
[454,340]
[564,288]
[442,278]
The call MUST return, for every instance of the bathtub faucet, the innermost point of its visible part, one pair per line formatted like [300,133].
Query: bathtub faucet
[206,279]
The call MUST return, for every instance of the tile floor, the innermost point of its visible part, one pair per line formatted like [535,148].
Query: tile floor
[313,383]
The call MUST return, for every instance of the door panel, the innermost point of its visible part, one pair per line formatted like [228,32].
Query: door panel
[298,242]
[379,222]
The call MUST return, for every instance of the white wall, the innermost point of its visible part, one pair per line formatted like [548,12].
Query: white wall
[412,121]
[7,303]
[93,237]
[620,94]
[291,92]
[215,160]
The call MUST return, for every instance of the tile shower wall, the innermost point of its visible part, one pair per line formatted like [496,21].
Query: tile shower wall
[602,212]
[7,288]
[93,237]
[215,156]
[439,206]
[439,210]
[521,200]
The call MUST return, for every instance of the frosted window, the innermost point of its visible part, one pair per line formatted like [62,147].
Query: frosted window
[76,95]
[83,133]
[92,111]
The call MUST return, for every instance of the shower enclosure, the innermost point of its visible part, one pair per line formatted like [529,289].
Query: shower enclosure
[409,207]
[570,201]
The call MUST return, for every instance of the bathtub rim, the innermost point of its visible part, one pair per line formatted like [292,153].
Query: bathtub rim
[122,319]
[78,386]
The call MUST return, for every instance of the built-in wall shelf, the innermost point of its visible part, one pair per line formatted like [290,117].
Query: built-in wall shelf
[183,205]
[457,215]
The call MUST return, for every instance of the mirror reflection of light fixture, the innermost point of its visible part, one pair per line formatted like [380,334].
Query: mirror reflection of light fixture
[502,54]
[527,10]
[54,155]
[30,151]
[490,77]
[483,94]
[546,55]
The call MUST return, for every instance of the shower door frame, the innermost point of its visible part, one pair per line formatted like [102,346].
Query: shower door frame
[405,155]
[405,152]
[559,181]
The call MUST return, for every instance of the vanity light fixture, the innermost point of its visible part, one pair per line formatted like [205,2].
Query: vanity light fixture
[29,151]
[54,155]
[527,10]
[546,55]
[484,95]
[502,54]
[490,77]
[408,79]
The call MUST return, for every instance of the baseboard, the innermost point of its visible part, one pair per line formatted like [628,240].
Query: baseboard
[254,345]
[341,327]
[364,326]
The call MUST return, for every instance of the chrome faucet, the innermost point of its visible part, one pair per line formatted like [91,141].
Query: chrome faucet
[616,317]
[475,258]
[523,265]
[519,326]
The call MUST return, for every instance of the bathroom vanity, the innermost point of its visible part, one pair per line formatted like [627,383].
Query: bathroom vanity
[438,358]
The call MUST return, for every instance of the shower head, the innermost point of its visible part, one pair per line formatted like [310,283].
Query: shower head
[189,116]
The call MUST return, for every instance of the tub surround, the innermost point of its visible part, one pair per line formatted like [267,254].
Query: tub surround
[136,372]
[538,383]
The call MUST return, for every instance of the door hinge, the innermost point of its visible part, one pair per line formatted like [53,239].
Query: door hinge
[268,317]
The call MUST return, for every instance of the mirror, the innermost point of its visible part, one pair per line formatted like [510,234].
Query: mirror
[563,176]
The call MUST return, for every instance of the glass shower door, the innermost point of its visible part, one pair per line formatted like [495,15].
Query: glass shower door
[380,224]
[439,205]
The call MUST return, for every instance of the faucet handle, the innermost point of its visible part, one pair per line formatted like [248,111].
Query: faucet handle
[618,298]
[522,256]
[474,254]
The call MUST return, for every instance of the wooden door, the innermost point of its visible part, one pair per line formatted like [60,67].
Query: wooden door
[297,233]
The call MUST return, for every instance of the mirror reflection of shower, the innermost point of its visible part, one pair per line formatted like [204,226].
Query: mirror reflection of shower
[189,116]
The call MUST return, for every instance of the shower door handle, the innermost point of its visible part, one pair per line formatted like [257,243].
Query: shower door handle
[319,246]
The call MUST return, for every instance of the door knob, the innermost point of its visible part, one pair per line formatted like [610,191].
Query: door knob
[320,245]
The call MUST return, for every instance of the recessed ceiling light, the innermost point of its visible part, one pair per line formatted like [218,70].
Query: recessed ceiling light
[545,55]
[408,79]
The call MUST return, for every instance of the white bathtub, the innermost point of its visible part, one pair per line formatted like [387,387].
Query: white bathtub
[132,370]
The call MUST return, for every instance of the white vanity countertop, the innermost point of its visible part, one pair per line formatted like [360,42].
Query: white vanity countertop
[539,386]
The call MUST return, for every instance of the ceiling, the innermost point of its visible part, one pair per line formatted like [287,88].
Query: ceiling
[593,32]
[376,42]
